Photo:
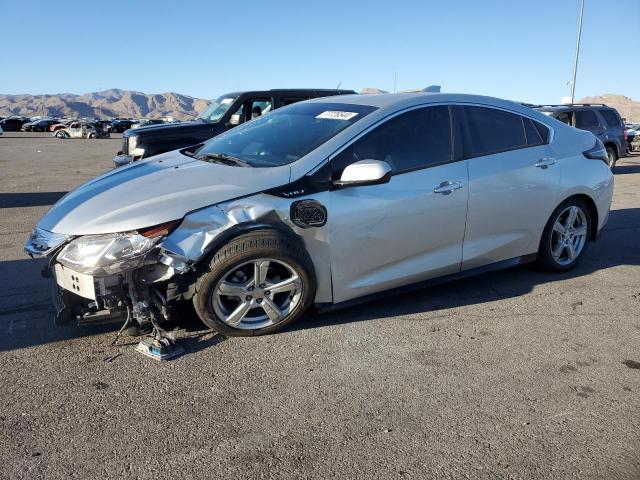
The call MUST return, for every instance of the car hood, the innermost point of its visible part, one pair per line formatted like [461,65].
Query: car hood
[154,191]
[161,129]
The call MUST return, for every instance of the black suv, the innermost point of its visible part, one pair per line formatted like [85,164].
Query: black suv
[601,120]
[222,114]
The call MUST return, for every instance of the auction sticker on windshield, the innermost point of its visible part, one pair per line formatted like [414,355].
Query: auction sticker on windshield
[337,115]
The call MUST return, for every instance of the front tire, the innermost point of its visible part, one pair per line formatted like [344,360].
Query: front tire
[565,237]
[258,283]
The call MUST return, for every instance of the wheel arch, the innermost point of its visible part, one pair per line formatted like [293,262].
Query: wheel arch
[613,145]
[593,212]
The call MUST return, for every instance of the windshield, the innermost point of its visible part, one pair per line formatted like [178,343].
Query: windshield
[217,109]
[283,136]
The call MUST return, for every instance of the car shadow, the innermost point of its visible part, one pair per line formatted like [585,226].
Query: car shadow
[26,314]
[32,199]
[626,169]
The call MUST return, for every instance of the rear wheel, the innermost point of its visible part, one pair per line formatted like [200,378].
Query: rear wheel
[258,283]
[566,236]
[612,156]
[60,134]
[93,135]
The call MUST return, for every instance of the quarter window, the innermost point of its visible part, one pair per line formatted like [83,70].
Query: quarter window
[415,139]
[488,130]
[586,119]
[532,133]
[611,118]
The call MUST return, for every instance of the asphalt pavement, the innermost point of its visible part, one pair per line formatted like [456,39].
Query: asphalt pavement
[514,374]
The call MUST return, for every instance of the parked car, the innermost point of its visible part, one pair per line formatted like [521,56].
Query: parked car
[12,124]
[326,202]
[601,120]
[119,125]
[1,131]
[41,125]
[58,126]
[632,130]
[81,130]
[224,113]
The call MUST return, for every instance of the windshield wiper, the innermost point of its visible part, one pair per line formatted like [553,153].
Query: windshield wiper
[224,159]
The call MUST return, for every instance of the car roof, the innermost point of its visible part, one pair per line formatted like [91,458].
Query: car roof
[559,108]
[291,91]
[393,101]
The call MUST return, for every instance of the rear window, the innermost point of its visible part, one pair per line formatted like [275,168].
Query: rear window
[611,118]
[586,119]
[489,130]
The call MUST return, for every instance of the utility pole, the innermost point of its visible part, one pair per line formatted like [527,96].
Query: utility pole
[575,62]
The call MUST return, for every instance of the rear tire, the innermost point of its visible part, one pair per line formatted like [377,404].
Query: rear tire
[613,157]
[233,293]
[565,237]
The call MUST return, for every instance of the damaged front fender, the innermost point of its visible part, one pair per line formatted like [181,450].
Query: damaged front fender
[203,231]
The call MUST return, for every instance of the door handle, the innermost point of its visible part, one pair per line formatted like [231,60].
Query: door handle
[545,162]
[446,187]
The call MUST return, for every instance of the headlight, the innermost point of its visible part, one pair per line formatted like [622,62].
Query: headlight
[106,254]
[133,142]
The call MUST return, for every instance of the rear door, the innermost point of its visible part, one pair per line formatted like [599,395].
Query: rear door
[411,228]
[513,184]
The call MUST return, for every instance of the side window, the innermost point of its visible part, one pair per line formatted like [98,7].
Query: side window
[259,107]
[565,117]
[586,119]
[412,140]
[611,118]
[489,130]
[533,135]
[542,130]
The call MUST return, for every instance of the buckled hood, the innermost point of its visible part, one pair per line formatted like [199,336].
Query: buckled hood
[154,191]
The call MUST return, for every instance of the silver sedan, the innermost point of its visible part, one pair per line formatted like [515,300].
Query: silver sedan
[327,202]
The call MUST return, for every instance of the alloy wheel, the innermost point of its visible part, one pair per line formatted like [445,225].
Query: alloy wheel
[569,235]
[257,294]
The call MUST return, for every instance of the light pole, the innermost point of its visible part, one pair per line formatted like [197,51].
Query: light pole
[575,62]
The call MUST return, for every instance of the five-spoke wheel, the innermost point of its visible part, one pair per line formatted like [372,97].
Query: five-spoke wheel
[566,236]
[257,283]
[257,294]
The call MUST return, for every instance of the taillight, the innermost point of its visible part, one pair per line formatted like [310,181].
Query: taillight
[597,152]
[159,230]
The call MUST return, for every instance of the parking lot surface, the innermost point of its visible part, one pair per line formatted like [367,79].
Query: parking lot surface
[514,374]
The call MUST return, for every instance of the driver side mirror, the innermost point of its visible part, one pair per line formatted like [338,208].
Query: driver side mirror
[235,119]
[365,172]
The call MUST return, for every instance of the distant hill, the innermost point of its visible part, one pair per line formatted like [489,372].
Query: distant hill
[113,103]
[628,109]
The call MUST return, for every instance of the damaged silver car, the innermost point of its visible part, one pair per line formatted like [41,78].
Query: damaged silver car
[324,203]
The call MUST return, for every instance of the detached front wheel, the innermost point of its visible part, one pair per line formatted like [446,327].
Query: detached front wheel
[258,283]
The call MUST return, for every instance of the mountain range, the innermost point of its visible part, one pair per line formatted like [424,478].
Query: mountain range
[128,103]
[105,104]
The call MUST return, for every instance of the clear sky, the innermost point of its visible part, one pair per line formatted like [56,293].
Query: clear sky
[516,49]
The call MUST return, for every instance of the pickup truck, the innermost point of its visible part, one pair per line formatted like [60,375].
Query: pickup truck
[222,114]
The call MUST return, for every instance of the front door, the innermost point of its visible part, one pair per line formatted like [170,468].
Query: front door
[409,229]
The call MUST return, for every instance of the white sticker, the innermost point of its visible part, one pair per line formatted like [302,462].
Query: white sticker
[337,115]
[226,100]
